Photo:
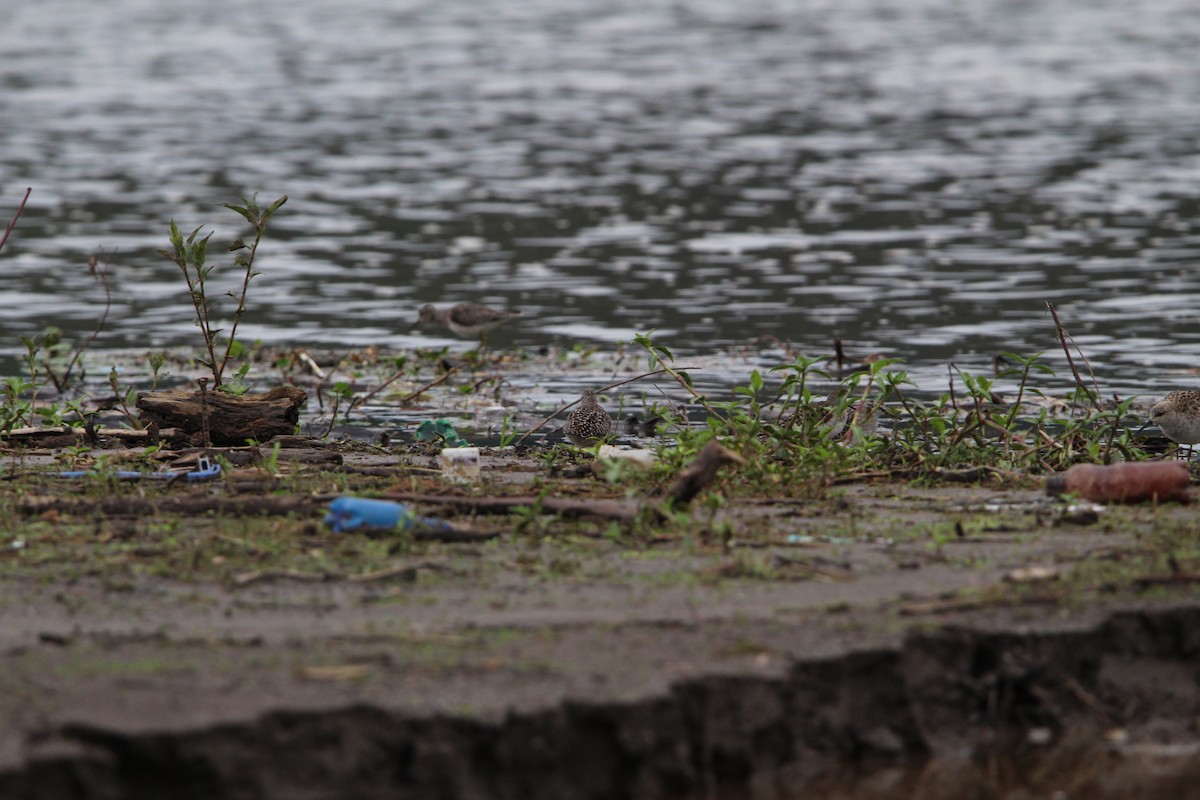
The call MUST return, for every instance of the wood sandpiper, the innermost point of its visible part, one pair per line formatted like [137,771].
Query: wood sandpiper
[466,319]
[589,424]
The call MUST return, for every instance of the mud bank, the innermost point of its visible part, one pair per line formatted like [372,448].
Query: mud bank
[933,713]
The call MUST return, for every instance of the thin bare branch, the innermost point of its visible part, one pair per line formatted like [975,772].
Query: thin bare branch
[16,216]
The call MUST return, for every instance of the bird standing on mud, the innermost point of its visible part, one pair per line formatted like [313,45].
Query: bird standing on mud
[466,319]
[1178,416]
[589,424]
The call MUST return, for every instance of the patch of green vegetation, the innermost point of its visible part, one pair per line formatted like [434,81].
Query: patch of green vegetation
[797,445]
[190,254]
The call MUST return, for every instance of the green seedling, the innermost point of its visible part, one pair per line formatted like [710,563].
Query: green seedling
[190,254]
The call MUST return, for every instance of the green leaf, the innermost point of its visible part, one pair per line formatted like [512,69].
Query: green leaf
[273,208]
[200,251]
[245,212]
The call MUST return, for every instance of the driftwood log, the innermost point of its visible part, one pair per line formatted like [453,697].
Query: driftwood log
[228,419]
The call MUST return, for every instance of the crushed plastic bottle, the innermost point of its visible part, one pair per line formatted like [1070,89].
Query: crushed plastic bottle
[354,513]
[1137,482]
[460,463]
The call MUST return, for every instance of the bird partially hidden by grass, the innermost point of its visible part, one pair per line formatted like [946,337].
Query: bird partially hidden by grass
[839,417]
[589,424]
[468,320]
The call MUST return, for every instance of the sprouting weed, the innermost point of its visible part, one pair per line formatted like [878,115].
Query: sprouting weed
[190,254]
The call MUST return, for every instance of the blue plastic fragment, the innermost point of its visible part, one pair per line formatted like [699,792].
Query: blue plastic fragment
[125,475]
[205,470]
[352,513]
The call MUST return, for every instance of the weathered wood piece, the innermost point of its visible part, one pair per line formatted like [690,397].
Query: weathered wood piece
[231,420]
[68,436]
[700,473]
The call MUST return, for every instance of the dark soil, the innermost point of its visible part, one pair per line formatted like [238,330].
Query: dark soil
[882,641]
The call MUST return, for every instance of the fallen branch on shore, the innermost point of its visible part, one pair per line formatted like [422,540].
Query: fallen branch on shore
[689,483]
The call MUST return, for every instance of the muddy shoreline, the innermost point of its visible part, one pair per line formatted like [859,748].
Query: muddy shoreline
[886,638]
[970,692]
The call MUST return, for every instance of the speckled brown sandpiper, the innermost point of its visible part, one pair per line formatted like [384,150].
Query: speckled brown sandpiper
[466,319]
[1178,416]
[589,424]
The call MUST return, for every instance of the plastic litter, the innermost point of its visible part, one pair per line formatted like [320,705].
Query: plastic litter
[440,430]
[460,463]
[204,470]
[638,458]
[1161,481]
[355,513]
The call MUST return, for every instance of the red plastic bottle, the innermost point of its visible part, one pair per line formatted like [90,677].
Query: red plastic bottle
[1136,482]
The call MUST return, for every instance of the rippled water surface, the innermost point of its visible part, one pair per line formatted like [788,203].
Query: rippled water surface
[916,178]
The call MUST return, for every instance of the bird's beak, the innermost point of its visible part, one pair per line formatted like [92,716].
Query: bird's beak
[414,326]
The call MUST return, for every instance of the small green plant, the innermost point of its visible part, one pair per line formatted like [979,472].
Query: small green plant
[16,411]
[658,357]
[156,361]
[340,391]
[271,462]
[507,434]
[190,254]
[76,457]
[124,399]
[60,358]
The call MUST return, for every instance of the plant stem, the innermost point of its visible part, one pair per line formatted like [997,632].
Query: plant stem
[16,216]
[219,370]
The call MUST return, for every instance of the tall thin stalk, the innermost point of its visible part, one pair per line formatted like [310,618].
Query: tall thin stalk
[190,255]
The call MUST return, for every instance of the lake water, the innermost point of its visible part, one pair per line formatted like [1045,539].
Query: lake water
[914,178]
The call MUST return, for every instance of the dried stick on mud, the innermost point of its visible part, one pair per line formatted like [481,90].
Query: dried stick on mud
[690,482]
[700,473]
[358,401]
